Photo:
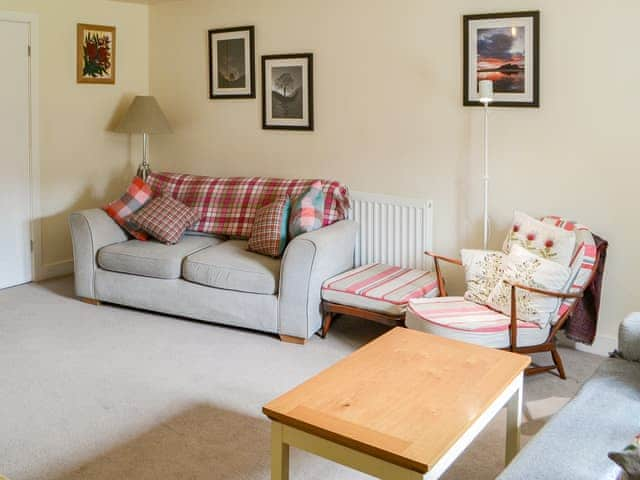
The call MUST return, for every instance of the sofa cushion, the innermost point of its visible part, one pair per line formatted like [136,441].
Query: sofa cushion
[231,266]
[151,259]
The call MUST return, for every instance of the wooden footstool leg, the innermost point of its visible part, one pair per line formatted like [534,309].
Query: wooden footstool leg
[327,318]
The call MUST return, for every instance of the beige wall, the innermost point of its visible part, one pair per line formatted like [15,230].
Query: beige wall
[389,117]
[82,164]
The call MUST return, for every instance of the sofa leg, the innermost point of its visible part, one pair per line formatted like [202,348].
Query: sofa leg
[90,301]
[327,318]
[558,361]
[290,339]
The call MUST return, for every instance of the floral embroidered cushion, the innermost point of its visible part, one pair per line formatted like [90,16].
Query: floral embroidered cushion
[269,232]
[543,239]
[526,268]
[136,196]
[307,210]
[164,218]
[483,269]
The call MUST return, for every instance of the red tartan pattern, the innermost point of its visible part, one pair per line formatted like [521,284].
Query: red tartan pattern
[136,196]
[269,233]
[227,206]
[165,219]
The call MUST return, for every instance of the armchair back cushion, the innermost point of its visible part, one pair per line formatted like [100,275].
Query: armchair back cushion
[228,206]
[582,262]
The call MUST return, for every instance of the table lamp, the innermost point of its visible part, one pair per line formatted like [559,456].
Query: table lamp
[144,116]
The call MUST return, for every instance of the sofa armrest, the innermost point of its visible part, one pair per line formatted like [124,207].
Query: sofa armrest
[90,231]
[629,337]
[308,261]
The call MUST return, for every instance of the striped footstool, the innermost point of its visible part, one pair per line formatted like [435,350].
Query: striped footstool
[377,292]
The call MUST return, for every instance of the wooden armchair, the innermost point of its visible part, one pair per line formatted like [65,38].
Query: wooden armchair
[507,332]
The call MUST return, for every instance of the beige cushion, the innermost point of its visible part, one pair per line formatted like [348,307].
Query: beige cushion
[483,269]
[530,270]
[232,267]
[541,238]
[151,258]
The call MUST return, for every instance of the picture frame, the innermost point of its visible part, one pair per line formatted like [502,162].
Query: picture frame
[96,54]
[232,63]
[505,48]
[287,91]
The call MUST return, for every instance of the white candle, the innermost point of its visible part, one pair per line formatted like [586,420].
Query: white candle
[486,90]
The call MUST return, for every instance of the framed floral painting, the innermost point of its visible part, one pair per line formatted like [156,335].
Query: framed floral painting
[503,48]
[96,52]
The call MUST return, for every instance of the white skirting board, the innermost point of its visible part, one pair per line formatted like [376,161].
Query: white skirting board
[55,269]
[603,344]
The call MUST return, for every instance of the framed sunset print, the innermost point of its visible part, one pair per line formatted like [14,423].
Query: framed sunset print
[96,54]
[287,91]
[504,48]
[232,63]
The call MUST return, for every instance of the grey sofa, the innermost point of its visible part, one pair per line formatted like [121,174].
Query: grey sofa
[207,278]
[604,416]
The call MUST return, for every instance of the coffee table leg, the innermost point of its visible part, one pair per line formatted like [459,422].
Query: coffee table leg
[279,454]
[514,419]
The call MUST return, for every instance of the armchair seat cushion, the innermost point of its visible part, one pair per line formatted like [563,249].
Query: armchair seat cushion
[151,258]
[232,267]
[460,319]
[380,288]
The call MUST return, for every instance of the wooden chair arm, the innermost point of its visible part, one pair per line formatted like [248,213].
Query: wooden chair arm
[549,293]
[441,286]
[435,256]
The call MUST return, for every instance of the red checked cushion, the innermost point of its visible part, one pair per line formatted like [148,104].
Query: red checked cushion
[269,233]
[136,196]
[165,219]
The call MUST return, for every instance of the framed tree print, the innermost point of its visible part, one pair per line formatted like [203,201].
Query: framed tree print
[287,91]
[504,48]
[232,63]
[96,54]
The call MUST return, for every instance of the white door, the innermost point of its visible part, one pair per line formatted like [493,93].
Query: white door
[15,196]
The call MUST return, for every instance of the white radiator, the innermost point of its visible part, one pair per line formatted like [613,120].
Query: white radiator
[393,230]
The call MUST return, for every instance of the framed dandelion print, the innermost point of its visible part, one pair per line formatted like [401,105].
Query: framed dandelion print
[504,48]
[287,91]
[232,63]
[96,54]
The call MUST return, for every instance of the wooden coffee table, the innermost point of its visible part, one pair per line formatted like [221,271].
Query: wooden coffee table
[404,406]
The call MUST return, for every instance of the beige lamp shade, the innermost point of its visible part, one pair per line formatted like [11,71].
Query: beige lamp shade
[144,116]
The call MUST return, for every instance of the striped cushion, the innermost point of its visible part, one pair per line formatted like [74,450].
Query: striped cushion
[380,288]
[460,319]
[583,261]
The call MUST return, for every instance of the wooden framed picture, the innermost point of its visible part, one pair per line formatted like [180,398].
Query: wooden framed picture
[96,54]
[287,91]
[505,48]
[232,63]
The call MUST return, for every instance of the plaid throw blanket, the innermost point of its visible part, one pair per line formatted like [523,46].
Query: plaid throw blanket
[227,206]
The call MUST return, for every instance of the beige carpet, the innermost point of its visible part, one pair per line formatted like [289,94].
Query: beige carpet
[97,393]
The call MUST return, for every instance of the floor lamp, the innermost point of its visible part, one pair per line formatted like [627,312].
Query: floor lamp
[486,96]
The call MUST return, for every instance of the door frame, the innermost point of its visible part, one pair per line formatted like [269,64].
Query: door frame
[34,133]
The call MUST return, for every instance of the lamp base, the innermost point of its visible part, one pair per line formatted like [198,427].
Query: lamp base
[143,171]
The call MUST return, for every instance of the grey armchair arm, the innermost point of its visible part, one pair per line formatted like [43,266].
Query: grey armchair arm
[90,231]
[308,261]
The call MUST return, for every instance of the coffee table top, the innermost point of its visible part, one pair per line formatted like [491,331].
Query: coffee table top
[406,397]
